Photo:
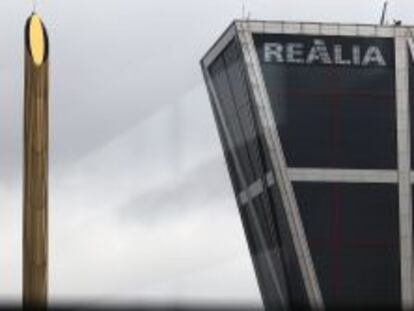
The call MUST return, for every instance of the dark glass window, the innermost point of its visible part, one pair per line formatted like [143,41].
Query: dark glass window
[246,140]
[226,102]
[294,279]
[352,231]
[235,100]
[333,115]
[267,255]
[411,90]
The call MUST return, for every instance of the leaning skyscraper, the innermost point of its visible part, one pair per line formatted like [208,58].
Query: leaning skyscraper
[315,123]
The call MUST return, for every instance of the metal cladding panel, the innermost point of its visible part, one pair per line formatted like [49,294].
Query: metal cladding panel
[333,99]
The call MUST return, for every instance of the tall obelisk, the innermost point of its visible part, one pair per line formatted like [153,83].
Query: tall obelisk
[35,201]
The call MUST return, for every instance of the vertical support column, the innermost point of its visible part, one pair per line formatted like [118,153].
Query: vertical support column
[35,201]
[279,299]
[269,127]
[403,138]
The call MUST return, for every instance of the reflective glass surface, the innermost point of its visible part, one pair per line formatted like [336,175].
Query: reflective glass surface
[411,94]
[352,230]
[334,108]
[247,162]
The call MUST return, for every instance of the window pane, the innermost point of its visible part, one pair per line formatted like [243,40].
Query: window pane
[333,115]
[353,234]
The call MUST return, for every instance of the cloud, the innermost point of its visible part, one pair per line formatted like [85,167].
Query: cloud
[140,201]
[146,210]
[195,190]
[102,257]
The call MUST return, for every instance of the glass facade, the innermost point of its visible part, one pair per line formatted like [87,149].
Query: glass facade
[411,96]
[259,219]
[332,110]
[353,233]
[295,284]
[334,102]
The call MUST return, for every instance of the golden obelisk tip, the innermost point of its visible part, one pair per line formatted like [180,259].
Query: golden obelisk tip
[37,39]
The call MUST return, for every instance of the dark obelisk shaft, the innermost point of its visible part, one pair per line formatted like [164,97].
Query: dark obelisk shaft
[35,213]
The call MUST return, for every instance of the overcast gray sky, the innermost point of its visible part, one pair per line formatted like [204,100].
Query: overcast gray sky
[141,207]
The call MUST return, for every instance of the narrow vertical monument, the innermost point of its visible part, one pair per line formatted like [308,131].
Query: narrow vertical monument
[35,201]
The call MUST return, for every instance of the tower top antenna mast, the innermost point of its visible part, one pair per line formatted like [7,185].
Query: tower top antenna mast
[384,13]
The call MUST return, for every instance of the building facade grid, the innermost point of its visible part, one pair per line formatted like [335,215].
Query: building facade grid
[268,191]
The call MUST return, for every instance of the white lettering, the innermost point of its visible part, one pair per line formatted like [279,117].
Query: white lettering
[298,53]
[273,51]
[339,57]
[319,53]
[356,55]
[373,55]
[295,53]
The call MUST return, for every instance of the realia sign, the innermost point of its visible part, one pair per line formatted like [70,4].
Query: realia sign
[295,52]
[325,50]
